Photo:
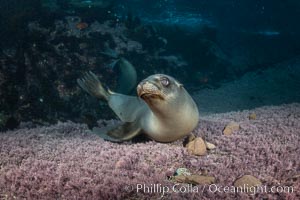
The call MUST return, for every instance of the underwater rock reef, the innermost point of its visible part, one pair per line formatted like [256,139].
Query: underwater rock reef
[46,45]
[67,161]
[38,73]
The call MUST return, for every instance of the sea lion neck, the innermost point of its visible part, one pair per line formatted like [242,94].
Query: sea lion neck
[167,108]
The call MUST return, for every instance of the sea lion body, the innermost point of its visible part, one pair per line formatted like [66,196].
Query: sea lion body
[163,110]
[171,118]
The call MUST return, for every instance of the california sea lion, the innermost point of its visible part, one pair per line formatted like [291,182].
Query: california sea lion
[163,110]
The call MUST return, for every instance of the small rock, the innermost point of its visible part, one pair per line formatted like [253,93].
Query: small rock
[247,181]
[252,116]
[182,171]
[210,146]
[197,147]
[204,172]
[195,179]
[230,128]
[191,137]
[294,178]
[120,164]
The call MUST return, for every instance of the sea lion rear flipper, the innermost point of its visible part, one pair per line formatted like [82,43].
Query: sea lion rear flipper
[127,78]
[125,131]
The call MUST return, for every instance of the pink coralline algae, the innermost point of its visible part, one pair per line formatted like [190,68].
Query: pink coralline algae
[67,161]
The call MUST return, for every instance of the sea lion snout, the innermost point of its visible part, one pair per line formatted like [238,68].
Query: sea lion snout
[148,89]
[139,89]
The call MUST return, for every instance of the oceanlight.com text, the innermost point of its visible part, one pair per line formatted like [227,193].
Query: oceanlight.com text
[213,188]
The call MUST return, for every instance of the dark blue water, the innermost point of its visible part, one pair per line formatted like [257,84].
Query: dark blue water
[249,49]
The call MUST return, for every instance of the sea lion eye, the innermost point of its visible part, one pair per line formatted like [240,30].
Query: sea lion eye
[165,81]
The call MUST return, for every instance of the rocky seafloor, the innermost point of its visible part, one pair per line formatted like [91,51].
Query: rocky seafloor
[273,86]
[67,161]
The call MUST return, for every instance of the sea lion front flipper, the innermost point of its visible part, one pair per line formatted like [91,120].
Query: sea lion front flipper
[103,134]
[125,131]
[127,108]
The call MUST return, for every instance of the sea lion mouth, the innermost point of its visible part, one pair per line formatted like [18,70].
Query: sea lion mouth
[148,90]
[151,96]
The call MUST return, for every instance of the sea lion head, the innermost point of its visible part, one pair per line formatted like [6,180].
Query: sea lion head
[159,89]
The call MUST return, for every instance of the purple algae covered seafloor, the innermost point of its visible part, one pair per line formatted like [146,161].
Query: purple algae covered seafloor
[67,161]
